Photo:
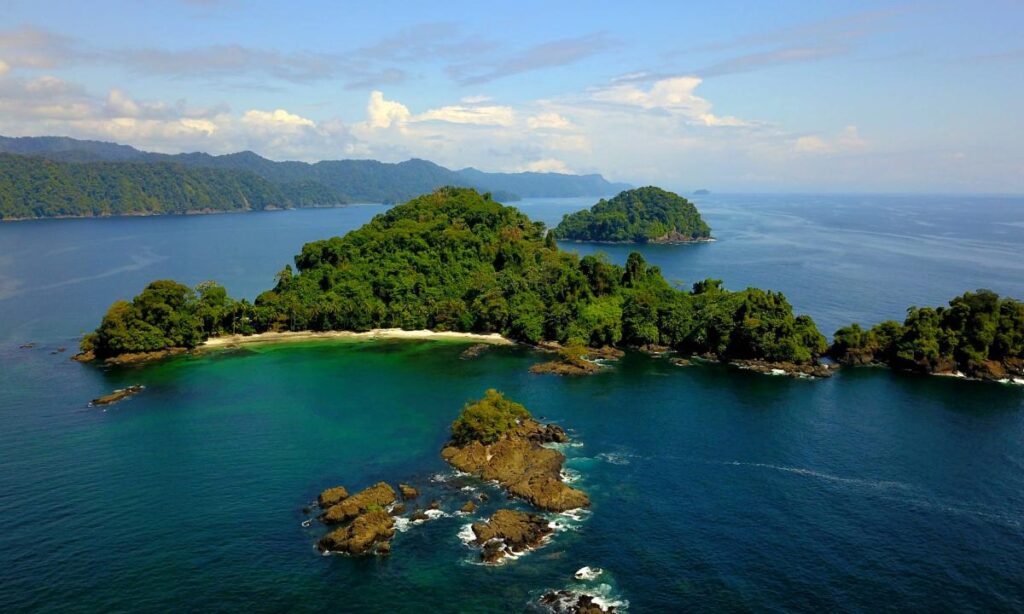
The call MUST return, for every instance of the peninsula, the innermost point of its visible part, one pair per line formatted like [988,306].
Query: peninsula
[643,215]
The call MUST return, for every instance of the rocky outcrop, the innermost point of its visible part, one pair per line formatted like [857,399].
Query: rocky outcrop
[408,492]
[576,361]
[377,496]
[331,496]
[474,351]
[787,368]
[374,528]
[676,237]
[118,395]
[521,465]
[468,507]
[140,357]
[568,602]
[509,532]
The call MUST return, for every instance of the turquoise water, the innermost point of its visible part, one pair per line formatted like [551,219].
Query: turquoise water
[713,490]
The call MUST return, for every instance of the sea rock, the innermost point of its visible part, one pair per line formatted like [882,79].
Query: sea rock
[473,351]
[568,602]
[523,467]
[578,362]
[398,509]
[140,357]
[408,492]
[371,528]
[84,356]
[379,495]
[549,433]
[419,515]
[681,362]
[118,395]
[27,346]
[331,496]
[435,505]
[509,532]
[787,368]
[468,507]
[565,367]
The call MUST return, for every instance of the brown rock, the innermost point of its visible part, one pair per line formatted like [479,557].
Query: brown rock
[509,532]
[473,351]
[523,467]
[331,496]
[419,515]
[567,602]
[408,492]
[366,530]
[398,509]
[118,395]
[84,356]
[139,357]
[378,495]
[469,507]
[435,505]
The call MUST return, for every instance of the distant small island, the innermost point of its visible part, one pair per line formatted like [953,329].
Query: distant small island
[642,215]
[701,192]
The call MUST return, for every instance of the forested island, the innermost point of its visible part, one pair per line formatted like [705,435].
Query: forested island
[978,335]
[642,215]
[456,260]
[64,177]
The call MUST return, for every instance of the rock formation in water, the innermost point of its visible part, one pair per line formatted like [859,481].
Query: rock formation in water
[577,360]
[377,496]
[497,439]
[509,532]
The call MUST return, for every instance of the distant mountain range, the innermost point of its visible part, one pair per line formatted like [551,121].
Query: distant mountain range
[60,176]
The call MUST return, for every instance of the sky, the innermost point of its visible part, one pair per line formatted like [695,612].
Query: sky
[767,97]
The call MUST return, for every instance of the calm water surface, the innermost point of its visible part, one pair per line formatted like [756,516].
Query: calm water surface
[713,490]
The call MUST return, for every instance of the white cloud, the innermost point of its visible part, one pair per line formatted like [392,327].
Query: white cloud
[475,115]
[383,113]
[278,118]
[848,140]
[546,165]
[548,120]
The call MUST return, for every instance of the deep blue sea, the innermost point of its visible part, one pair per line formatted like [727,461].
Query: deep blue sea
[713,490]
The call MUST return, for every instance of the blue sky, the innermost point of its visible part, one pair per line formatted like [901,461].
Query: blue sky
[788,96]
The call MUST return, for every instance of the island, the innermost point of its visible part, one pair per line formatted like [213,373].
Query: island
[701,192]
[643,215]
[456,260]
[979,335]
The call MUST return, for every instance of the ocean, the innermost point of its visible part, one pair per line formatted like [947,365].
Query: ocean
[713,489]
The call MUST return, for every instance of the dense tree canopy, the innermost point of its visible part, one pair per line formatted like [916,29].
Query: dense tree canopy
[979,334]
[34,187]
[456,260]
[642,215]
[487,419]
[40,183]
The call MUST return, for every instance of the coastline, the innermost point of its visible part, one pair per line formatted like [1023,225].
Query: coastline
[227,341]
[191,212]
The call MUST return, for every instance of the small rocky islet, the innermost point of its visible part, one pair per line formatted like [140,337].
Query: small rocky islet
[493,438]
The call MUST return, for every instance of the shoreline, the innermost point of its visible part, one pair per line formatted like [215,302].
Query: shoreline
[227,341]
[189,213]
